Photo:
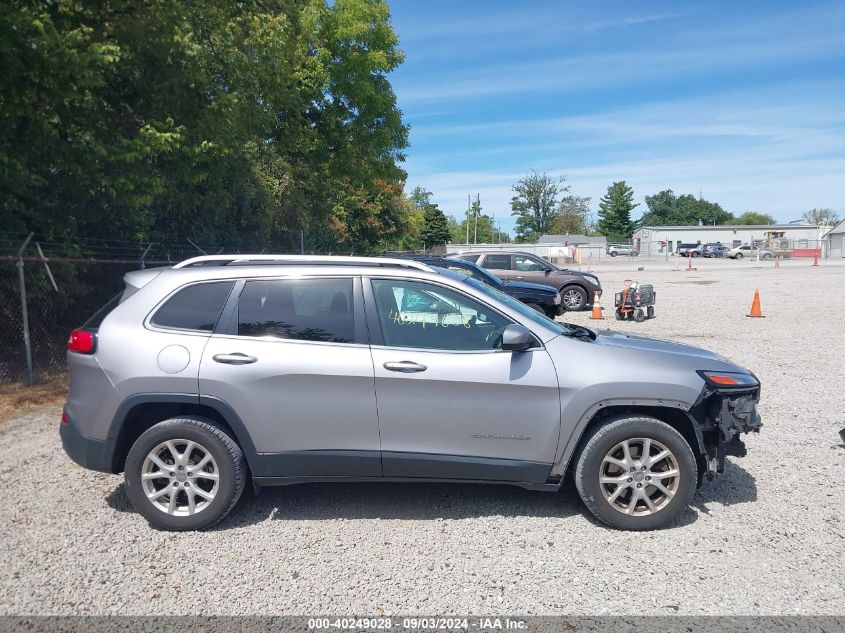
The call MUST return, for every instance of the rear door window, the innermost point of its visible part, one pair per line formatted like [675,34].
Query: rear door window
[196,307]
[498,262]
[298,309]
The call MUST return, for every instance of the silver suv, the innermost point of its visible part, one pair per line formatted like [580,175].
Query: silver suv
[285,370]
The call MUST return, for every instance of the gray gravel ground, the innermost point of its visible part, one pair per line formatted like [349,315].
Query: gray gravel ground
[765,538]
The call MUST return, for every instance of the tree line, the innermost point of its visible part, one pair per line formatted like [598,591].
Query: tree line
[245,125]
[543,204]
[226,123]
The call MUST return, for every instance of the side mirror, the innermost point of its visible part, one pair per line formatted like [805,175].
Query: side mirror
[517,338]
[548,271]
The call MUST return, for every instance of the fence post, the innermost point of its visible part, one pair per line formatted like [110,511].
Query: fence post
[24,314]
[144,255]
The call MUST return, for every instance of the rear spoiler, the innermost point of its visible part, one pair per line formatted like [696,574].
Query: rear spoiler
[137,279]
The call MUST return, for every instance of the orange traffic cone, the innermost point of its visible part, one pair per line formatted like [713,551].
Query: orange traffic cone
[756,312]
[596,314]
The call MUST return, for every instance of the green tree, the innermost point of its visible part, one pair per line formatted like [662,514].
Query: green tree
[615,212]
[487,232]
[436,229]
[456,235]
[821,217]
[535,204]
[667,209]
[753,217]
[228,123]
[573,216]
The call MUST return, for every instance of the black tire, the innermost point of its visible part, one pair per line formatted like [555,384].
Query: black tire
[232,472]
[537,307]
[582,295]
[650,312]
[620,316]
[613,253]
[639,316]
[767,255]
[738,256]
[588,468]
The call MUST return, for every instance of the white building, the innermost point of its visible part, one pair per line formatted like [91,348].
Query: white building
[836,240]
[801,238]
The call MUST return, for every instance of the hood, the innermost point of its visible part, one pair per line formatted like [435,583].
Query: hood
[529,287]
[638,342]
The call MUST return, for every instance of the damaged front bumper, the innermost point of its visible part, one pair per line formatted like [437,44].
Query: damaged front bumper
[724,415]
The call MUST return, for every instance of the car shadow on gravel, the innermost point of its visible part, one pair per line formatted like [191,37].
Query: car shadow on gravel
[735,485]
[406,501]
[432,501]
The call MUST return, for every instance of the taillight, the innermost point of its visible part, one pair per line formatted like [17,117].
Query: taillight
[81,341]
[65,419]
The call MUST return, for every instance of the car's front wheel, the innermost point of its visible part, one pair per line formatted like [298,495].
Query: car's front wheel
[613,253]
[573,298]
[184,474]
[636,473]
[738,256]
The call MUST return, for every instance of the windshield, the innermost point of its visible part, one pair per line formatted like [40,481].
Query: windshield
[524,310]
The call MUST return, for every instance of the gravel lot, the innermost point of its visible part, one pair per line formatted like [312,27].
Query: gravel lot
[765,538]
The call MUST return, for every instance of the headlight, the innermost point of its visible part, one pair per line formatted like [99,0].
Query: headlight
[728,379]
[556,300]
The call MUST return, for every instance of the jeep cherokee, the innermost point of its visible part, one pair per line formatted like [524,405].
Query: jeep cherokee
[285,369]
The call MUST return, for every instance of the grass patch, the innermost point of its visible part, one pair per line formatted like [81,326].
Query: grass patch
[17,399]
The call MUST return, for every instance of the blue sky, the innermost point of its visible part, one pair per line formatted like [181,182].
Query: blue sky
[741,101]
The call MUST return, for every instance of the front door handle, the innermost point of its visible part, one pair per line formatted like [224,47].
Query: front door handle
[405,366]
[234,359]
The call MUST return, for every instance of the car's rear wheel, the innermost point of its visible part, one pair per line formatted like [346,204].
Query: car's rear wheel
[613,253]
[184,474]
[767,255]
[738,256]
[636,473]
[573,298]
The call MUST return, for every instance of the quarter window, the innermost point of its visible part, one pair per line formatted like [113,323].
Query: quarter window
[196,307]
[426,316]
[298,309]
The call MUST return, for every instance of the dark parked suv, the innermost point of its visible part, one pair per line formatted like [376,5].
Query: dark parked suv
[542,298]
[576,288]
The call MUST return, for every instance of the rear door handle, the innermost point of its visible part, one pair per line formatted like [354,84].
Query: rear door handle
[405,366]
[234,359]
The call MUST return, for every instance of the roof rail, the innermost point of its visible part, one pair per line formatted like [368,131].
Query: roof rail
[258,260]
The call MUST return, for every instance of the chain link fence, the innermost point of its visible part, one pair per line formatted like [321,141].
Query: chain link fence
[50,286]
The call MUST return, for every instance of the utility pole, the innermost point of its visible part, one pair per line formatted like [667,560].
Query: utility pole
[469,206]
[477,208]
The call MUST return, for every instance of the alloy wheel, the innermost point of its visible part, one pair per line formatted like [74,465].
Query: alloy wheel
[180,477]
[639,476]
[572,299]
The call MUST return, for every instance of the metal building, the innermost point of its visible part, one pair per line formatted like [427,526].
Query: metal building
[836,240]
[804,239]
